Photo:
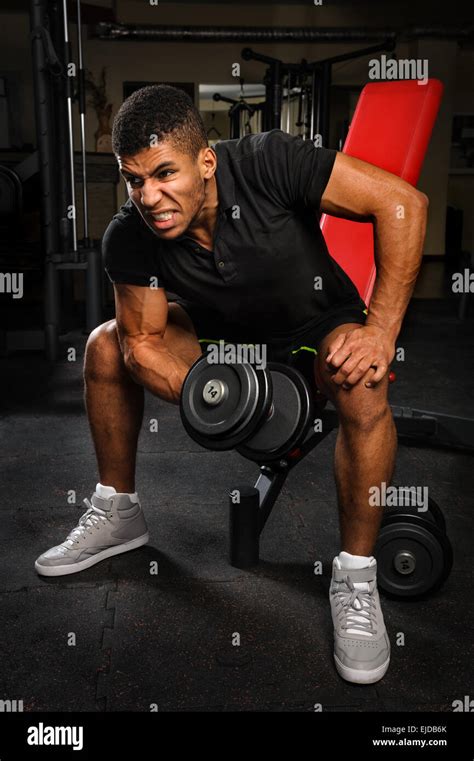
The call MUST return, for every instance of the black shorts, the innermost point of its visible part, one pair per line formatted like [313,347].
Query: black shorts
[297,348]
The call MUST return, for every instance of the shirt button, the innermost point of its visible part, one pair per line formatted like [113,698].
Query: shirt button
[221,264]
[197,249]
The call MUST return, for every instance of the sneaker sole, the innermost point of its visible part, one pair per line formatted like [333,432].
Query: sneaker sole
[64,570]
[359,676]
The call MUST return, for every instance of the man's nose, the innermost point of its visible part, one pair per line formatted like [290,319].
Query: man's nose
[150,195]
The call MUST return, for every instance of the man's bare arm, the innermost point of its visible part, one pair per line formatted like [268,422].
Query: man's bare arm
[142,316]
[359,191]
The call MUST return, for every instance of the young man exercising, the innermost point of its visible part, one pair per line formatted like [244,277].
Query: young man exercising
[233,232]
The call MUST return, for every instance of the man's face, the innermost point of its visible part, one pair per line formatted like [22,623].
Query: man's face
[166,186]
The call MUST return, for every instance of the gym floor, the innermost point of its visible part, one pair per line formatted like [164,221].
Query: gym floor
[165,639]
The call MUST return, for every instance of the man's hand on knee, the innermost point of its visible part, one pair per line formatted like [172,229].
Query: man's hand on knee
[360,355]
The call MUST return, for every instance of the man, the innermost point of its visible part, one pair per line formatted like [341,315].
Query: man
[233,232]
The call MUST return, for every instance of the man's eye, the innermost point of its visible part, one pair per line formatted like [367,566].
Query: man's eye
[134,182]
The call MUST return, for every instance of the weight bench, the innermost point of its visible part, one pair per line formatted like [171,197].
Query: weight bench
[391,129]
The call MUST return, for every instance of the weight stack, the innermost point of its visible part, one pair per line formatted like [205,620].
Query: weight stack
[244,526]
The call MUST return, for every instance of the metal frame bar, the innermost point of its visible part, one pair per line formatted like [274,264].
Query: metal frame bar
[53,102]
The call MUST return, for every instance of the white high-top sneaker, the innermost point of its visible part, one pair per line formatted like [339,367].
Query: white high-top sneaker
[108,527]
[361,643]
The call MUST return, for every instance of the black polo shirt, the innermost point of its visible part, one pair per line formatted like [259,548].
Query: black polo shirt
[269,268]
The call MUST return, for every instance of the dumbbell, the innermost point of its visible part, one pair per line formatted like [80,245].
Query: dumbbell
[262,413]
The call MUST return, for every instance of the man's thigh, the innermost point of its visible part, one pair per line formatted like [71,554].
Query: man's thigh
[358,399]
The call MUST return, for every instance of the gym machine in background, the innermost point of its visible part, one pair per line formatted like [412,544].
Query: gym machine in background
[241,113]
[55,97]
[309,84]
[297,95]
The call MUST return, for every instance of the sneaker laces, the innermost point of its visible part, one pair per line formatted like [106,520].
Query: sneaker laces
[91,519]
[358,605]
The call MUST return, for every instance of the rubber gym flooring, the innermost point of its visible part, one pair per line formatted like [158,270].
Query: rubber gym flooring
[166,639]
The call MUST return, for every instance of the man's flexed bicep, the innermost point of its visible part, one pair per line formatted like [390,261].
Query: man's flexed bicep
[141,314]
[149,354]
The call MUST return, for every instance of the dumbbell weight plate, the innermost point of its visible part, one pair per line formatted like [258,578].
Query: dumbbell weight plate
[221,405]
[414,556]
[290,417]
[433,513]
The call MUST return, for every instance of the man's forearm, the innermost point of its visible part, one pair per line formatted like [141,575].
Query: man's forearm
[151,364]
[399,233]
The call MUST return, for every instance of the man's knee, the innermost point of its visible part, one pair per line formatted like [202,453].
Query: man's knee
[361,407]
[104,337]
[358,406]
[103,353]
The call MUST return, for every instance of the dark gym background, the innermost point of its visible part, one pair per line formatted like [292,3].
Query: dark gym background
[166,639]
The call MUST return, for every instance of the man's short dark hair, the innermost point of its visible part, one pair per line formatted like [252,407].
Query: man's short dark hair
[161,110]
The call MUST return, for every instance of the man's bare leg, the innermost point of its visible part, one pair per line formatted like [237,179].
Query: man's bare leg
[115,402]
[365,451]
[114,522]
[365,456]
